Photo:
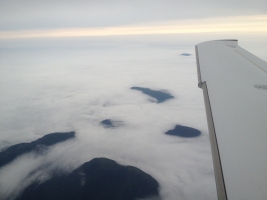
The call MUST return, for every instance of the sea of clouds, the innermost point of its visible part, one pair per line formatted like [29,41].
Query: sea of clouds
[60,85]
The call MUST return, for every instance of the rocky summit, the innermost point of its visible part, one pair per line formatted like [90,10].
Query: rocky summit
[160,96]
[184,131]
[98,179]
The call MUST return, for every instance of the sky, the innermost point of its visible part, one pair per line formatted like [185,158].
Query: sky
[68,65]
[98,15]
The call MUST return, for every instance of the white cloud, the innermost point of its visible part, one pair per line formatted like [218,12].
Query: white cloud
[63,85]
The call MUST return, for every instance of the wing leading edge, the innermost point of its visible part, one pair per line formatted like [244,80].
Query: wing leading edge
[234,84]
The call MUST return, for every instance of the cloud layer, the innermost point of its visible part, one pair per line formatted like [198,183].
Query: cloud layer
[74,84]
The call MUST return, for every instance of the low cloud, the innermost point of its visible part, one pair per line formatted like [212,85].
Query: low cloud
[61,86]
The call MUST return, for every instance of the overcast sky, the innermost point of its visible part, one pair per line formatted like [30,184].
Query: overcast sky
[38,14]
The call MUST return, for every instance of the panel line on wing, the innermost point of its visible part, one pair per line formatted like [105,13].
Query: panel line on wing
[250,61]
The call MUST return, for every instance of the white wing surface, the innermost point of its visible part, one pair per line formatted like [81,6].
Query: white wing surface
[234,84]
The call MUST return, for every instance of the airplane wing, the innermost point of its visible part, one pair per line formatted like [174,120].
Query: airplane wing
[234,84]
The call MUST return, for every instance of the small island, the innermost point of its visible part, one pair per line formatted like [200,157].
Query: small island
[184,131]
[160,96]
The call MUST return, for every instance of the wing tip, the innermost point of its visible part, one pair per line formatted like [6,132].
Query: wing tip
[222,41]
[233,43]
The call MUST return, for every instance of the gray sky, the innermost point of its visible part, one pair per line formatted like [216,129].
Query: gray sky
[31,14]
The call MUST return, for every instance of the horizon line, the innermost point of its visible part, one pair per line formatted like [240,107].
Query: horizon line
[246,24]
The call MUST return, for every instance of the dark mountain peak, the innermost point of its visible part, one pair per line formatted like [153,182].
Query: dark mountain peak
[184,131]
[107,123]
[100,164]
[161,96]
[98,179]
[53,138]
[38,146]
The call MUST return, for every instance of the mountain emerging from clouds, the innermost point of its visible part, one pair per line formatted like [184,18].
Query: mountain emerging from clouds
[160,96]
[107,123]
[98,179]
[184,131]
[16,150]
